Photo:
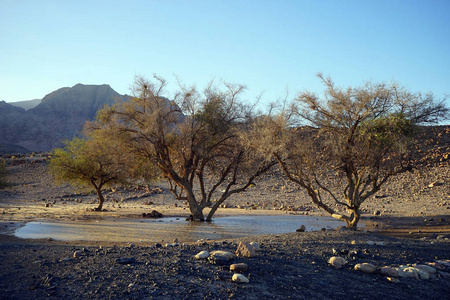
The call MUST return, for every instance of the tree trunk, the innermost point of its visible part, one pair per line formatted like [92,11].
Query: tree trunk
[196,210]
[212,211]
[101,199]
[352,221]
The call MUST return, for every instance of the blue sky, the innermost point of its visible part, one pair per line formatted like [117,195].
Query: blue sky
[269,46]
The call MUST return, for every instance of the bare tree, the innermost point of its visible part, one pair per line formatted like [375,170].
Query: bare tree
[355,141]
[194,140]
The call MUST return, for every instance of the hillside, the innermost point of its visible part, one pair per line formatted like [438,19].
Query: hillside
[59,116]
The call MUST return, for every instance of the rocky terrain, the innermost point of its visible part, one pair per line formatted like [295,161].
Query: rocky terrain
[402,252]
[60,115]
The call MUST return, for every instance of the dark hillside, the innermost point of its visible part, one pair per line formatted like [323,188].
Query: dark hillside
[60,115]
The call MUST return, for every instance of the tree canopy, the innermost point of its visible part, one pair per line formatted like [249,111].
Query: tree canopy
[95,162]
[353,141]
[195,140]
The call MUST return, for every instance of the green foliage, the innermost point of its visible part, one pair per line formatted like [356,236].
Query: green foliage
[88,163]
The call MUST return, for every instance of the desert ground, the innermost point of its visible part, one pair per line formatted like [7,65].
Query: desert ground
[406,224]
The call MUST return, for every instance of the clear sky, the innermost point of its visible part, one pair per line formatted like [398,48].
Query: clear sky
[269,46]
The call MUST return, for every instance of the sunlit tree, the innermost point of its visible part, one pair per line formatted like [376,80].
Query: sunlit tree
[96,162]
[194,140]
[355,140]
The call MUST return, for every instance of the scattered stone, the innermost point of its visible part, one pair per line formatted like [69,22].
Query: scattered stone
[241,267]
[245,250]
[224,254]
[126,260]
[408,272]
[445,263]
[255,246]
[337,262]
[444,274]
[393,280]
[377,213]
[77,253]
[389,271]
[153,214]
[435,265]
[239,278]
[220,257]
[202,255]
[426,268]
[365,268]
[301,229]
[172,245]
[158,245]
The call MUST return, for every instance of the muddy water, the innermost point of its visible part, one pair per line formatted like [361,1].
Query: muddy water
[167,229]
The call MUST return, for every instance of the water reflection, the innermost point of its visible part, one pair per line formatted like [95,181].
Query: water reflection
[167,229]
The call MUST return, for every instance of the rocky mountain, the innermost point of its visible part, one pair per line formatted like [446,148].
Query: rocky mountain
[59,116]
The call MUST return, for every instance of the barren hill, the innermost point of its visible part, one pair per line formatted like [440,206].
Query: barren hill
[60,115]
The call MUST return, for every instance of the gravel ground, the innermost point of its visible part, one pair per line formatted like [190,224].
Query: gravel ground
[411,226]
[287,266]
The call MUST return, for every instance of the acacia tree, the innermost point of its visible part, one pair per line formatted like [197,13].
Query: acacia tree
[357,139]
[194,140]
[95,162]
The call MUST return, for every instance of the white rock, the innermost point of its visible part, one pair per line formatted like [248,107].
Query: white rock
[423,274]
[77,253]
[428,269]
[221,253]
[255,246]
[337,262]
[366,268]
[393,280]
[239,278]
[408,272]
[389,271]
[202,255]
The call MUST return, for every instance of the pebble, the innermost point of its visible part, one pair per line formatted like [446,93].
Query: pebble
[245,250]
[408,272]
[301,229]
[224,254]
[436,265]
[202,255]
[239,278]
[393,280]
[240,267]
[220,258]
[389,271]
[77,253]
[426,268]
[365,268]
[255,246]
[337,262]
[444,262]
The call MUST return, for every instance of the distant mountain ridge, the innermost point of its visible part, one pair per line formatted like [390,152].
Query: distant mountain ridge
[59,116]
[27,104]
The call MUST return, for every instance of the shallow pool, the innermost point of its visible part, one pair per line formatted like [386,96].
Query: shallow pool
[167,229]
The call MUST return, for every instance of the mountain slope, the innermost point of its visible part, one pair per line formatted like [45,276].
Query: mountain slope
[60,115]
